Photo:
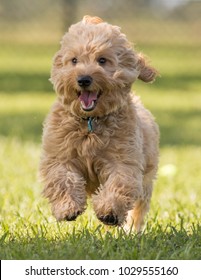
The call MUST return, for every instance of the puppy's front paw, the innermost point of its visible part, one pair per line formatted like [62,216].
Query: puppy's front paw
[111,212]
[67,212]
[110,219]
[72,217]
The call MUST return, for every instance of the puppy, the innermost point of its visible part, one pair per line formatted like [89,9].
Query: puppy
[98,139]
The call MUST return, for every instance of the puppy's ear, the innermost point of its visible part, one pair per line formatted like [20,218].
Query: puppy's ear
[57,60]
[56,66]
[93,20]
[147,73]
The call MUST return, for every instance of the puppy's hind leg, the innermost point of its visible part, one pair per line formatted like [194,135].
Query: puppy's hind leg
[135,218]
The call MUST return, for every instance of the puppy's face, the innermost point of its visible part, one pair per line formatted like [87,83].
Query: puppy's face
[95,68]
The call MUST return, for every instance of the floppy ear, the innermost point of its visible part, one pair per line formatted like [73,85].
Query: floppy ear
[93,20]
[147,73]
[57,60]
[55,73]
[56,65]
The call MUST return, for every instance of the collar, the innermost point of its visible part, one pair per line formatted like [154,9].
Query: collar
[90,122]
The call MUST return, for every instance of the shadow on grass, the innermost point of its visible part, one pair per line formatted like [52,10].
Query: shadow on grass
[177,128]
[25,82]
[170,243]
[24,126]
[181,82]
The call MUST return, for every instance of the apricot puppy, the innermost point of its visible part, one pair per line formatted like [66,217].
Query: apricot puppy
[98,139]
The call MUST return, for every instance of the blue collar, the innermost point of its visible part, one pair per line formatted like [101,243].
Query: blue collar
[90,123]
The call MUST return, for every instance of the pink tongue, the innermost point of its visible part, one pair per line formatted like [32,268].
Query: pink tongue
[88,97]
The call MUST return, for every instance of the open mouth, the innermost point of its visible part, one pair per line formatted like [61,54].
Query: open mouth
[88,99]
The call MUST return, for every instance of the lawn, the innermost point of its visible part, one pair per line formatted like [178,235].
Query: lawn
[27,228]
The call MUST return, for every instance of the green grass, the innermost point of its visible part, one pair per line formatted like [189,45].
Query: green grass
[27,228]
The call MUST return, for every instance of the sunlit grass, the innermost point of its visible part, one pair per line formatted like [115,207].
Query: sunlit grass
[28,229]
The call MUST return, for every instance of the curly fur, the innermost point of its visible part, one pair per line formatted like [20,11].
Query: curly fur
[117,162]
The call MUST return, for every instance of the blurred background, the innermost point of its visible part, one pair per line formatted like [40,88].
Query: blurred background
[168,32]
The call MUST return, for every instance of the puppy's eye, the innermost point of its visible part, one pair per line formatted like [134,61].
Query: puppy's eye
[102,60]
[74,60]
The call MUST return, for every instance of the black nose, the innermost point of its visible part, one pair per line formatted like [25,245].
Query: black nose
[84,81]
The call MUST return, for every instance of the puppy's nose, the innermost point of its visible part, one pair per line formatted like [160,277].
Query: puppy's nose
[84,81]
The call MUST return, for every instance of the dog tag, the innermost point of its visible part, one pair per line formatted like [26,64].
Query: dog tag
[89,123]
